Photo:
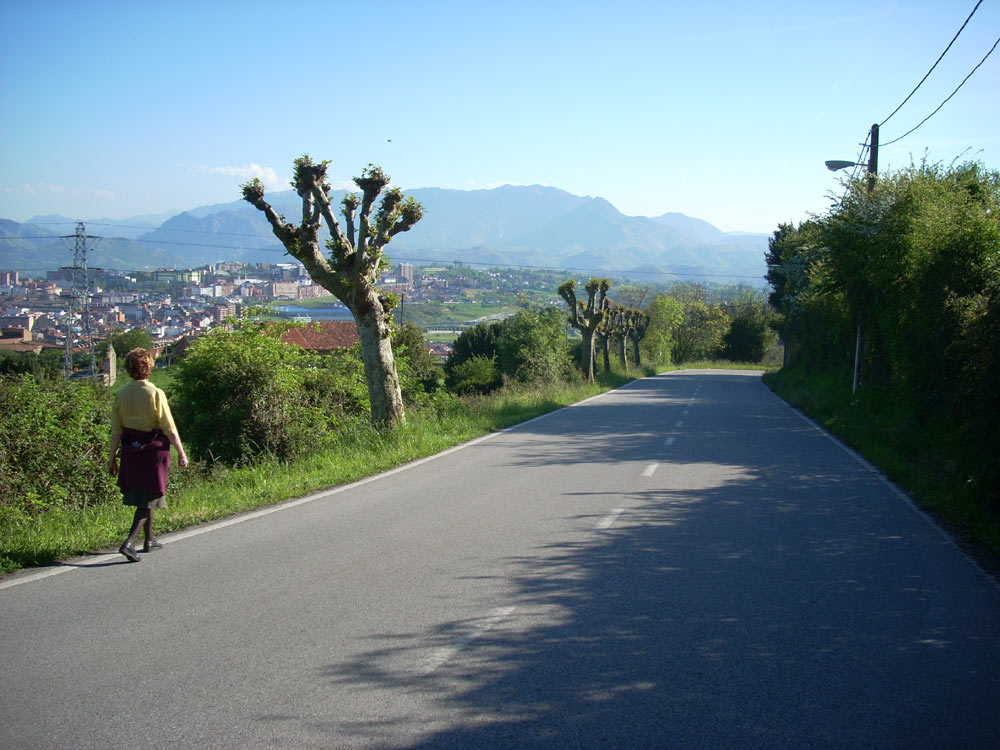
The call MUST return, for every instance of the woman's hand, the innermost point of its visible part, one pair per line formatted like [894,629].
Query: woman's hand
[183,459]
[113,466]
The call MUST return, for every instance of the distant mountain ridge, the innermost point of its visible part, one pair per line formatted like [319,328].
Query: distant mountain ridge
[509,225]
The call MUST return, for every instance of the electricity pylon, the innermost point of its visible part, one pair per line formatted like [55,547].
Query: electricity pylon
[79,300]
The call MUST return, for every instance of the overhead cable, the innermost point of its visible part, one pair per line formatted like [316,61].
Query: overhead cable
[997,42]
[932,66]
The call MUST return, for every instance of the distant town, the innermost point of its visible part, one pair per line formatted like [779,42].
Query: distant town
[177,304]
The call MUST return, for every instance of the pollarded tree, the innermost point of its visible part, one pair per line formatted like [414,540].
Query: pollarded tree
[351,268]
[636,325]
[613,329]
[587,318]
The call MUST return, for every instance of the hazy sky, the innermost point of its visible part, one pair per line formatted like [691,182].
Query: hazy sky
[723,110]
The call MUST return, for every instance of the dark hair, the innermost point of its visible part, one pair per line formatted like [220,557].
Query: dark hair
[139,363]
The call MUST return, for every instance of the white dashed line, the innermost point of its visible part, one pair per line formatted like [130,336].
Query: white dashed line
[476,629]
[649,470]
[608,520]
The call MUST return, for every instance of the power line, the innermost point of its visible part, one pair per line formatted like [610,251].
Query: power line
[932,66]
[997,42]
[586,270]
[423,260]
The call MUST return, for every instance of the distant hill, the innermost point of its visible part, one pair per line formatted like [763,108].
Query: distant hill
[509,225]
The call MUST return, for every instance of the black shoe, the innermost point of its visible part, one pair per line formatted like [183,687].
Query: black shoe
[152,544]
[129,552]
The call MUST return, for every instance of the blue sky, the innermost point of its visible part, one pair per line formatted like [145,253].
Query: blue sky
[724,111]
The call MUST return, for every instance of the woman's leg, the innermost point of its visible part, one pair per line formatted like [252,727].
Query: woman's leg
[151,542]
[138,521]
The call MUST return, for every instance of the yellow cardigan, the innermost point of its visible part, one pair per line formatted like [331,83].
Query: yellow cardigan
[140,405]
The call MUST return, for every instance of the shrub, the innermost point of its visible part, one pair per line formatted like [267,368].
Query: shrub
[480,340]
[241,395]
[53,445]
[532,347]
[478,374]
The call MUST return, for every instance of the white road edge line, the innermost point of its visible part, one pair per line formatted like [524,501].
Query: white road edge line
[868,466]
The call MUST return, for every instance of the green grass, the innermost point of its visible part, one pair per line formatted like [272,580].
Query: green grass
[920,458]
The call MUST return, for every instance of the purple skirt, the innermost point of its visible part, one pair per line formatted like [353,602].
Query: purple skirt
[145,461]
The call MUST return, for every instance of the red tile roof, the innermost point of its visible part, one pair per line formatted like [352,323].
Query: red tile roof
[323,336]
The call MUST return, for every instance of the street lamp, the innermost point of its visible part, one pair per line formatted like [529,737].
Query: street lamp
[833,165]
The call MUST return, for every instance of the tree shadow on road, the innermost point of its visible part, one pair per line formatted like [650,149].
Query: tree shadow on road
[784,606]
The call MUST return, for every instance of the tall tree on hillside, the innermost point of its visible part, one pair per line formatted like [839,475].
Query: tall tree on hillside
[587,317]
[351,268]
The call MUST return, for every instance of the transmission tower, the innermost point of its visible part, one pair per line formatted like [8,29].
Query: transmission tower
[79,299]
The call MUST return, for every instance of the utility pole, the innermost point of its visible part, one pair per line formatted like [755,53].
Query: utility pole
[79,300]
[872,172]
[873,159]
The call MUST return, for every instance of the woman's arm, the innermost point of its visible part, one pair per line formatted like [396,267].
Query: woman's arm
[175,440]
[113,457]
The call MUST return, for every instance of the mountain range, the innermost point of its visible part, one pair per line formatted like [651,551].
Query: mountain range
[510,225]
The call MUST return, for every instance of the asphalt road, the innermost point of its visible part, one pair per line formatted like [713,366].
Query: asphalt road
[683,563]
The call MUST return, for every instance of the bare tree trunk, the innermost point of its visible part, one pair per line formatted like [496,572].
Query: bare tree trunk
[380,372]
[588,354]
[620,343]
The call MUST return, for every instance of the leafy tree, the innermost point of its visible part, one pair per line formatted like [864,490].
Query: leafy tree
[665,315]
[351,269]
[749,332]
[532,347]
[125,341]
[702,326]
[786,249]
[586,318]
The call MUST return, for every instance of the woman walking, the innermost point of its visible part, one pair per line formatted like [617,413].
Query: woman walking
[143,428]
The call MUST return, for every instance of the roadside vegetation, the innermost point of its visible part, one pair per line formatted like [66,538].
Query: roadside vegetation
[264,421]
[908,276]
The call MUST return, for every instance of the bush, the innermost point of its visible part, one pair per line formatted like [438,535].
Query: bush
[532,347]
[242,395]
[478,374]
[480,340]
[54,438]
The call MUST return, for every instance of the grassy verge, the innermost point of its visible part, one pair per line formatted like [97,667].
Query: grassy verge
[199,494]
[917,457]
